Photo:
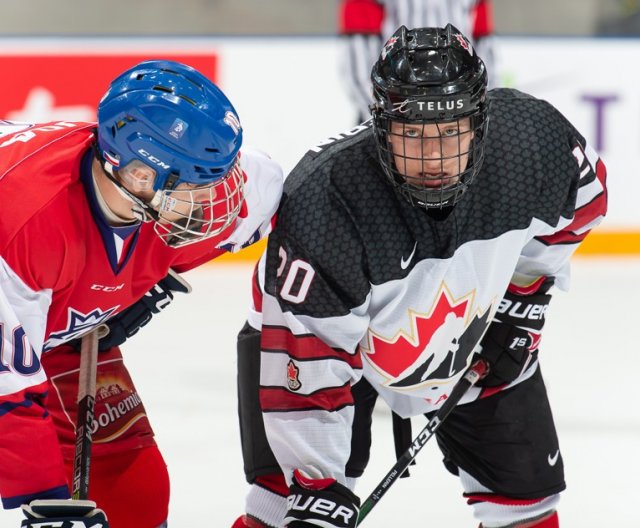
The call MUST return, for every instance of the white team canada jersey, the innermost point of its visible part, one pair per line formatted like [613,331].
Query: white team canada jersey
[359,282]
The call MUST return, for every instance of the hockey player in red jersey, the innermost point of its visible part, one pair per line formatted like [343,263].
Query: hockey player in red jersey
[404,248]
[93,216]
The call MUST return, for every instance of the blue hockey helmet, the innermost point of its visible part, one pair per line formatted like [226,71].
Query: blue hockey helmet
[172,118]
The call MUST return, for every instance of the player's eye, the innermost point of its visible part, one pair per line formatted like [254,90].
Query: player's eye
[412,133]
[450,132]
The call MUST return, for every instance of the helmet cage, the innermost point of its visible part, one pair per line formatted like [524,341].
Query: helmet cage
[184,215]
[430,114]
[457,156]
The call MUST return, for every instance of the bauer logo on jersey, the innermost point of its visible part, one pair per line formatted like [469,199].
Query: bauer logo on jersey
[437,347]
[292,376]
[441,108]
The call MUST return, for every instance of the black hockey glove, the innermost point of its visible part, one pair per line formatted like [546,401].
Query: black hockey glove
[63,514]
[126,323]
[511,342]
[312,503]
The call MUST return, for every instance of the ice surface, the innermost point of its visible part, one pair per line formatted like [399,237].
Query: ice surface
[184,362]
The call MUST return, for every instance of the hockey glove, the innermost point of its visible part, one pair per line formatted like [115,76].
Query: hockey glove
[324,502]
[126,323]
[511,342]
[60,513]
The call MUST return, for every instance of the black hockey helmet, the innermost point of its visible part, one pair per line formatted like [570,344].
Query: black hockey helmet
[426,82]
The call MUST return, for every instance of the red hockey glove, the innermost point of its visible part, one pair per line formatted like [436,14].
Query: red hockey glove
[512,340]
[63,514]
[322,502]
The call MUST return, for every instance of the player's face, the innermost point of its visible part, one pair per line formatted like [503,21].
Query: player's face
[431,155]
[186,200]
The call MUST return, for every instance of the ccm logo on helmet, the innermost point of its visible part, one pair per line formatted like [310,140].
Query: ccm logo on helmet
[153,159]
[321,507]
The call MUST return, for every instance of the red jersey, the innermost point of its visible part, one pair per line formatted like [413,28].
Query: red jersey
[65,270]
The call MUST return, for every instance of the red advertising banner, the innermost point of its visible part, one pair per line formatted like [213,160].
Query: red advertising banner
[39,88]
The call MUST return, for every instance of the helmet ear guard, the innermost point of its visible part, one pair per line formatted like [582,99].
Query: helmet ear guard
[426,78]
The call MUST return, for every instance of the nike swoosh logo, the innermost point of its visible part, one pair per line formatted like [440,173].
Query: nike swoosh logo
[553,459]
[404,264]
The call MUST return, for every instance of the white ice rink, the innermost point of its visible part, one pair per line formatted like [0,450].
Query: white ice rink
[183,364]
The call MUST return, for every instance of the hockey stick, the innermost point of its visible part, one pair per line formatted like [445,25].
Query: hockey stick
[477,371]
[84,419]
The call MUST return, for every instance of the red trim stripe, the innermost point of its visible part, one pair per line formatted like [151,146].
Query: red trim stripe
[275,483]
[490,391]
[278,399]
[528,289]
[583,215]
[473,498]
[304,347]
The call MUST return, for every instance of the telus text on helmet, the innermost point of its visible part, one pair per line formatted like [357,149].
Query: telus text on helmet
[440,105]
[433,108]
[411,105]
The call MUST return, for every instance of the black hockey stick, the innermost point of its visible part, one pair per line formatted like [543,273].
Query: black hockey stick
[477,371]
[84,419]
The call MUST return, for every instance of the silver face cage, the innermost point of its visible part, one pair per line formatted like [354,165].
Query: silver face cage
[431,163]
[188,215]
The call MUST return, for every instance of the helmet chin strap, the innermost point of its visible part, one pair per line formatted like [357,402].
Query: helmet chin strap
[142,211]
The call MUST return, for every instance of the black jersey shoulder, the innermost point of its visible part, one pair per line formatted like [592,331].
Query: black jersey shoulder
[315,221]
[529,169]
[340,213]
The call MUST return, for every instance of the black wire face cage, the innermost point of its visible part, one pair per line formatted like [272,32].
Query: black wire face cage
[431,163]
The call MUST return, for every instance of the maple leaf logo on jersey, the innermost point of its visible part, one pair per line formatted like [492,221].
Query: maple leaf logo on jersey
[78,324]
[292,376]
[438,347]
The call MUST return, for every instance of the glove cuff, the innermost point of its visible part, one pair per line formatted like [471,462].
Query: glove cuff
[47,508]
[326,484]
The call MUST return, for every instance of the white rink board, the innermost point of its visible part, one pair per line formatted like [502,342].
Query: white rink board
[183,364]
[594,83]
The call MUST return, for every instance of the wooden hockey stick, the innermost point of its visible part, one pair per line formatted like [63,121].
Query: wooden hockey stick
[84,419]
[477,371]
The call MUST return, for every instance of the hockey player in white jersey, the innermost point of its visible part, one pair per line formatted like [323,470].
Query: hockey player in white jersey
[442,224]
